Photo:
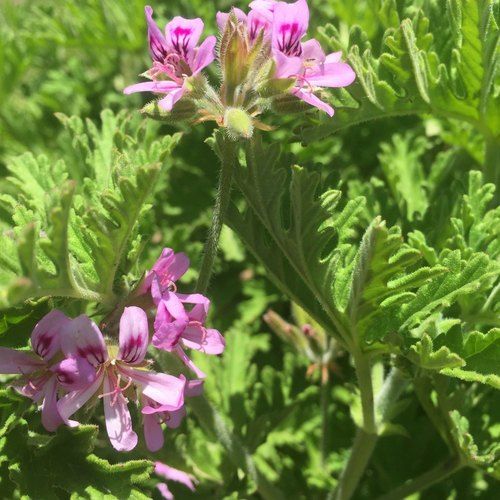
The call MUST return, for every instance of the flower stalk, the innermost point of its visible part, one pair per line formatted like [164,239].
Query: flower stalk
[228,150]
[364,441]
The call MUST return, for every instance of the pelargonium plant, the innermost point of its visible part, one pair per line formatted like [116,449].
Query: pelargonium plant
[346,320]
[73,366]
[263,58]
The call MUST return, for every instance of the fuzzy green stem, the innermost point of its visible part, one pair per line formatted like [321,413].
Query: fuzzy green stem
[228,151]
[361,451]
[426,480]
[364,442]
[214,424]
[362,365]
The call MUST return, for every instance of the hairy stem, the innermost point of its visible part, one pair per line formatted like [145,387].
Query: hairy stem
[362,365]
[213,423]
[228,151]
[429,478]
[361,451]
[364,442]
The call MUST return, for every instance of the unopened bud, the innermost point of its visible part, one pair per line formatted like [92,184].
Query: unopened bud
[238,123]
[233,57]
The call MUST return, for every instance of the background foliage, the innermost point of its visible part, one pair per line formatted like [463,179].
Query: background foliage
[386,236]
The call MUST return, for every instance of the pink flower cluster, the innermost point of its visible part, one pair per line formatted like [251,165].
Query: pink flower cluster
[72,365]
[176,56]
[285,25]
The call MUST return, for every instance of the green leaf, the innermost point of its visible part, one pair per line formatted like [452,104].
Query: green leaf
[480,352]
[422,353]
[79,239]
[384,277]
[401,163]
[303,239]
[469,450]
[416,73]
[67,463]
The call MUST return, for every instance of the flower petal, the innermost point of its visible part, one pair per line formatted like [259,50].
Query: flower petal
[206,340]
[164,491]
[153,433]
[205,54]
[45,339]
[168,102]
[157,43]
[291,21]
[160,87]
[312,52]
[73,401]
[171,320]
[201,305]
[222,17]
[182,34]
[263,4]
[334,57]
[82,338]
[13,361]
[184,358]
[287,66]
[171,474]
[194,388]
[134,335]
[171,266]
[175,418]
[260,20]
[162,388]
[74,373]
[51,419]
[117,416]
[313,100]
[331,75]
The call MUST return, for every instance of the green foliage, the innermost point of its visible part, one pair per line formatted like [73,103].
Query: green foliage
[441,60]
[386,235]
[41,466]
[79,240]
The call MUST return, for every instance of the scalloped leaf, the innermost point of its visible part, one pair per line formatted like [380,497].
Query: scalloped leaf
[417,73]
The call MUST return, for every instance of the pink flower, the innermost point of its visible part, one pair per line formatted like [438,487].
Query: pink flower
[176,57]
[41,374]
[257,20]
[154,414]
[177,327]
[171,474]
[304,61]
[119,369]
[167,270]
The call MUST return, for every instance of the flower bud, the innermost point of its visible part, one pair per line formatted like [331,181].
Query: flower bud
[238,123]
[233,57]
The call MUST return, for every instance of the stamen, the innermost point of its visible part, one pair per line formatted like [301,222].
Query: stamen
[117,390]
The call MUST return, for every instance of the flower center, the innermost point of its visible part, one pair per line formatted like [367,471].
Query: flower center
[117,390]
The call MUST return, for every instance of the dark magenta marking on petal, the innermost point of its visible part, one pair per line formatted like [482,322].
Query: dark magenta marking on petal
[43,343]
[92,354]
[290,40]
[132,350]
